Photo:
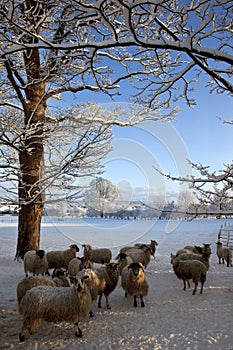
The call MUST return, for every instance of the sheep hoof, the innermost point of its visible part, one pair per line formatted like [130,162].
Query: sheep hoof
[21,337]
[108,307]
[91,314]
[78,333]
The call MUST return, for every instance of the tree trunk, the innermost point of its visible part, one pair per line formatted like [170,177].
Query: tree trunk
[28,229]
[31,160]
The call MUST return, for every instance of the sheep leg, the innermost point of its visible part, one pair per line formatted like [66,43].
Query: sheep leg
[99,301]
[135,301]
[22,333]
[22,336]
[195,287]
[219,260]
[203,278]
[188,283]
[78,332]
[107,304]
[228,262]
[125,295]
[91,314]
[184,284]
[142,302]
[223,261]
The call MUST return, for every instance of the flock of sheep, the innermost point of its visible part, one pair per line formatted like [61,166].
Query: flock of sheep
[76,282]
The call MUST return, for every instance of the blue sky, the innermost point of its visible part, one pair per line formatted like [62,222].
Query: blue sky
[196,134]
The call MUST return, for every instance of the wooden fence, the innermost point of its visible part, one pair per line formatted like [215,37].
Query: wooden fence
[225,235]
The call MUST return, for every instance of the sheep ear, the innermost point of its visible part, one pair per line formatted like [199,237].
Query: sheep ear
[141,265]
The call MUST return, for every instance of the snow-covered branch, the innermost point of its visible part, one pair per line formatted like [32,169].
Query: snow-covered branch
[154,44]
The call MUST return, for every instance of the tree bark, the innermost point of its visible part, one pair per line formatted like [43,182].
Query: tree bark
[31,160]
[28,229]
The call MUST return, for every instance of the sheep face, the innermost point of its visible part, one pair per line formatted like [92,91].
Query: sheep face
[206,248]
[79,282]
[74,246]
[58,272]
[40,253]
[113,267]
[121,257]
[135,267]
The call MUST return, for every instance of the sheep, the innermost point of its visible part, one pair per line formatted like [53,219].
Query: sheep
[123,260]
[224,254]
[77,264]
[61,258]
[55,305]
[134,282]
[102,281]
[58,280]
[99,256]
[190,269]
[140,255]
[35,262]
[152,245]
[124,249]
[204,258]
[199,250]
[29,282]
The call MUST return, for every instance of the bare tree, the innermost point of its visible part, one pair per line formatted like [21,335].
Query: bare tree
[103,196]
[52,47]
[213,189]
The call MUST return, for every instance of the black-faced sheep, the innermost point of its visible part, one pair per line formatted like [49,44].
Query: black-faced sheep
[134,282]
[55,305]
[99,255]
[61,258]
[224,254]
[190,269]
[123,260]
[60,278]
[35,262]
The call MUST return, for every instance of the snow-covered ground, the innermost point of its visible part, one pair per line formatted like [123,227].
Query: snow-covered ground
[172,318]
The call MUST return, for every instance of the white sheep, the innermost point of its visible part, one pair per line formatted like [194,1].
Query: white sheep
[99,255]
[190,269]
[102,281]
[58,280]
[55,305]
[61,258]
[134,282]
[77,264]
[140,254]
[123,260]
[35,262]
[224,254]
[29,282]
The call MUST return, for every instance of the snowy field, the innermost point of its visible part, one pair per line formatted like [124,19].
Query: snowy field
[172,318]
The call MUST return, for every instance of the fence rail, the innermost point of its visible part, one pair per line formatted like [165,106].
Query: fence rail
[225,235]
